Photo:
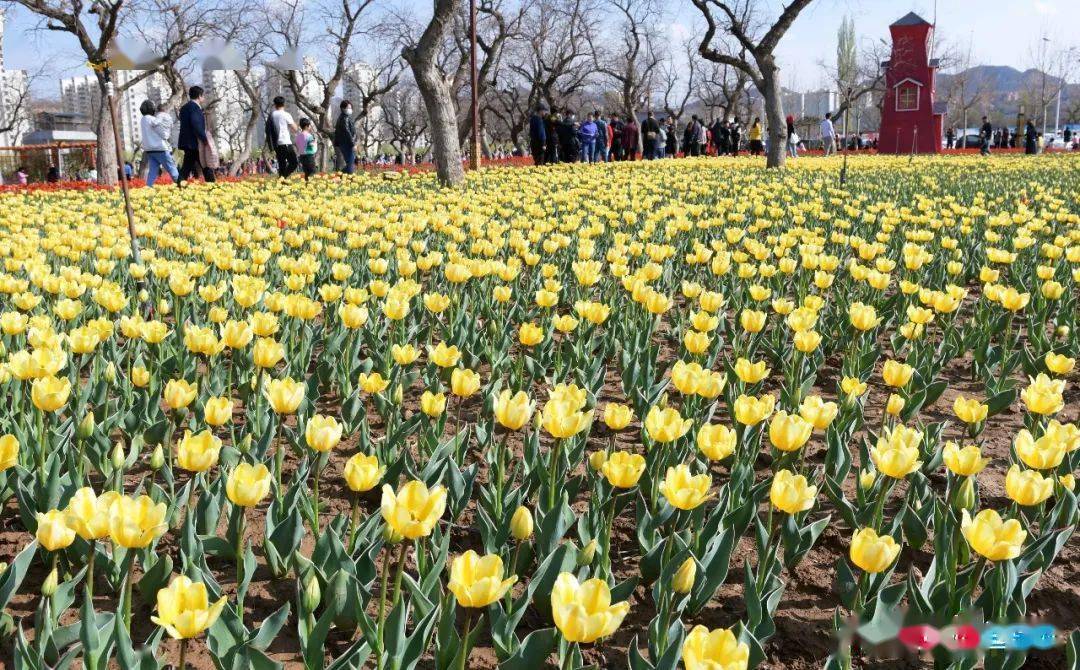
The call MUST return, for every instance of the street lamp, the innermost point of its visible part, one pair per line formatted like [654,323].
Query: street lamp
[1042,94]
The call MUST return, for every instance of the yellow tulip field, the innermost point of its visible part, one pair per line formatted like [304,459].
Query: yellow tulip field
[656,415]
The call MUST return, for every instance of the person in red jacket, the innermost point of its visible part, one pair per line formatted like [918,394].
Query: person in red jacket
[630,139]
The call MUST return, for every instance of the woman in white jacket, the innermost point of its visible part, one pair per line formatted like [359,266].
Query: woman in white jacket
[156,127]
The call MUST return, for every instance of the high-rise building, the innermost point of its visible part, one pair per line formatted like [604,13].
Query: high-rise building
[81,95]
[228,108]
[14,100]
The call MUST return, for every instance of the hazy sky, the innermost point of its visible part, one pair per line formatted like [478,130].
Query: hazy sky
[998,32]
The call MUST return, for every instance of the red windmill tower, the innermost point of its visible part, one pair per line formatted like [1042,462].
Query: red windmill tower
[910,119]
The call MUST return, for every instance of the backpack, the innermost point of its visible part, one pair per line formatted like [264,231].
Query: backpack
[270,131]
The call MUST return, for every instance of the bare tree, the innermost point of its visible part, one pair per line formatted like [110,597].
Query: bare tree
[327,26]
[238,117]
[422,57]
[681,83]
[1053,63]
[404,117]
[368,86]
[964,90]
[738,21]
[723,87]
[496,25]
[15,119]
[631,60]
[95,26]
[554,63]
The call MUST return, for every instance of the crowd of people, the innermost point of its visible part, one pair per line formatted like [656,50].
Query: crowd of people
[559,136]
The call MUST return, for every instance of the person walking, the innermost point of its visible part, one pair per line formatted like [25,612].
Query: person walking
[650,133]
[792,137]
[551,131]
[734,136]
[345,137]
[603,139]
[305,148]
[672,147]
[986,132]
[756,147]
[631,139]
[586,135]
[568,142]
[192,136]
[950,138]
[828,135]
[279,127]
[689,136]
[155,127]
[537,136]
[1031,138]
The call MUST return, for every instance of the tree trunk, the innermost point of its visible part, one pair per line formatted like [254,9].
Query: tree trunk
[774,113]
[442,123]
[107,168]
[249,144]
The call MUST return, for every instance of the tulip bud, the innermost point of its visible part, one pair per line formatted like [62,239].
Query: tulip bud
[157,458]
[86,427]
[537,420]
[521,524]
[586,555]
[144,295]
[391,536]
[597,459]
[683,581]
[312,593]
[867,478]
[965,498]
[48,587]
[1062,332]
[118,456]
[164,307]
[396,396]
[110,373]
[663,400]
[3,567]
[245,444]
[895,404]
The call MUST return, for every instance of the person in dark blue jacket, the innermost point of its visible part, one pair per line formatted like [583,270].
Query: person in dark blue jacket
[538,136]
[192,132]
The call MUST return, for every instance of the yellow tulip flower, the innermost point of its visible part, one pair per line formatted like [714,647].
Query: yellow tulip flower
[991,537]
[285,395]
[179,393]
[873,553]
[53,531]
[751,410]
[184,609]
[666,425]
[323,433]
[1027,487]
[716,441]
[684,490]
[789,432]
[583,611]
[622,469]
[88,514]
[718,649]
[363,472]
[135,522]
[1044,396]
[790,493]
[964,462]
[248,484]
[198,453]
[513,411]
[464,382]
[50,393]
[477,581]
[414,510]
[218,411]
[9,451]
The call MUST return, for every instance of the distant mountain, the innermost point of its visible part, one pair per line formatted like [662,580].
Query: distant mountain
[1000,79]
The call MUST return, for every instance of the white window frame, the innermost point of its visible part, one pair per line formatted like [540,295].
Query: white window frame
[918,94]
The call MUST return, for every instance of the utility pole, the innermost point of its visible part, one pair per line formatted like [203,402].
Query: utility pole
[474,155]
[1042,94]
